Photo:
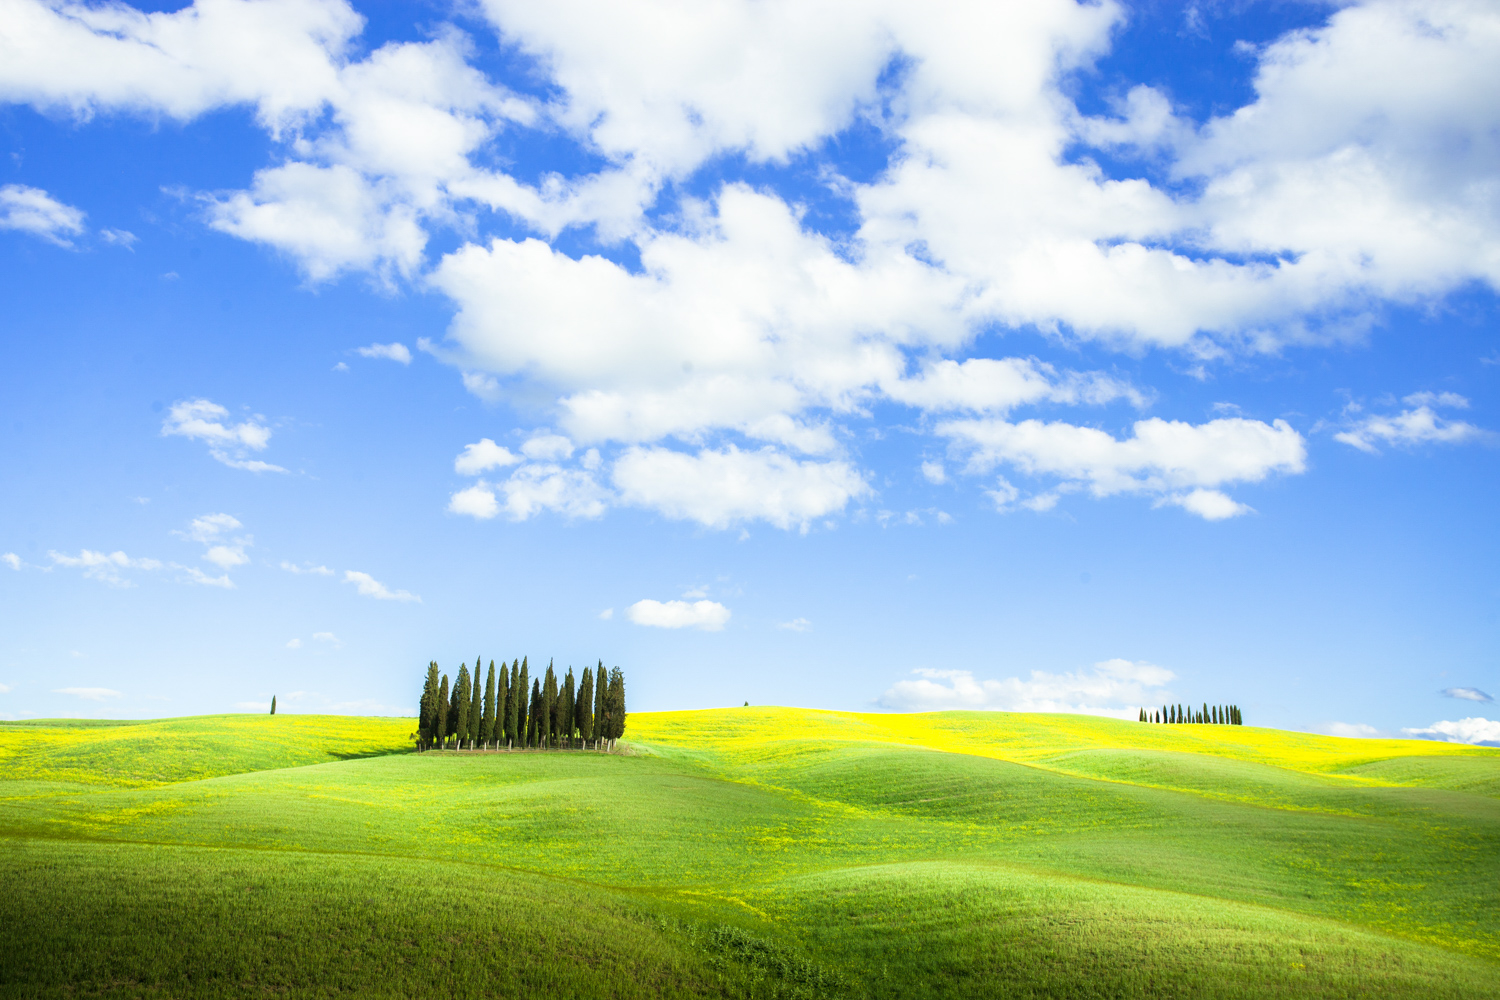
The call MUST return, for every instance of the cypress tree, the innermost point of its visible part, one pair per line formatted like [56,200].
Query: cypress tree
[476,706]
[565,708]
[585,708]
[601,688]
[461,700]
[427,717]
[535,715]
[615,701]
[502,693]
[549,707]
[487,720]
[442,712]
[512,701]
[523,708]
[273,704]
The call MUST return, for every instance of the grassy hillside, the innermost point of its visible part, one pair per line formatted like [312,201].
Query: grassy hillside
[748,852]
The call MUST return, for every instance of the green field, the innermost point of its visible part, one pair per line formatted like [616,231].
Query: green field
[757,852]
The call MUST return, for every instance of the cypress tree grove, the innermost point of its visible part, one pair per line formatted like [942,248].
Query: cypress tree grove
[461,701]
[601,688]
[565,708]
[585,712]
[487,720]
[442,712]
[549,707]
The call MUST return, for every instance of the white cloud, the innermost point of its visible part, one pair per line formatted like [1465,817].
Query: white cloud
[211,527]
[482,456]
[1480,732]
[477,501]
[120,237]
[294,644]
[1115,688]
[934,473]
[305,570]
[720,488]
[196,575]
[710,616]
[88,693]
[529,491]
[104,567]
[4,689]
[391,352]
[1352,730]
[1162,457]
[202,420]
[368,586]
[796,625]
[1467,694]
[12,560]
[989,385]
[327,637]
[32,210]
[547,448]
[1418,425]
[606,614]
[211,530]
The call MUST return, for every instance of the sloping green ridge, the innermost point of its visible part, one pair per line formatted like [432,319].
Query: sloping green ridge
[794,867]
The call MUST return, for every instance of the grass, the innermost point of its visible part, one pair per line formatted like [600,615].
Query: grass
[748,852]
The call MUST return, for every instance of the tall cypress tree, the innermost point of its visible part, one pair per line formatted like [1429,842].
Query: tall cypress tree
[427,720]
[601,688]
[513,701]
[461,700]
[273,704]
[535,715]
[549,707]
[585,712]
[476,706]
[523,710]
[442,712]
[614,706]
[487,720]
[502,692]
[565,707]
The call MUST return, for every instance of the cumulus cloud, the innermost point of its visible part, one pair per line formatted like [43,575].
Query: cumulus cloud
[1419,424]
[89,693]
[1467,694]
[294,644]
[306,569]
[796,625]
[720,488]
[481,456]
[1476,731]
[1179,461]
[222,547]
[12,560]
[368,586]
[710,616]
[1339,187]
[32,210]
[1115,688]
[105,567]
[203,420]
[391,352]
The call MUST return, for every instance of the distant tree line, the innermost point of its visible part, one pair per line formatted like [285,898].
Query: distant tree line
[515,711]
[1213,715]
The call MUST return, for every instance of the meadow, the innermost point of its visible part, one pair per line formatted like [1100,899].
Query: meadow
[753,852]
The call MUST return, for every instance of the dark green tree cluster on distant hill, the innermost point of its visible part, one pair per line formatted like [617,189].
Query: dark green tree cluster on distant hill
[1213,715]
[513,710]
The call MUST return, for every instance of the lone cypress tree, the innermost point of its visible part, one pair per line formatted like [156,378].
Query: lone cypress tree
[565,708]
[442,712]
[273,704]
[461,701]
[585,710]
[487,720]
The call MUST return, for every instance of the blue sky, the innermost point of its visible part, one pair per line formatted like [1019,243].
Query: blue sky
[852,355]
